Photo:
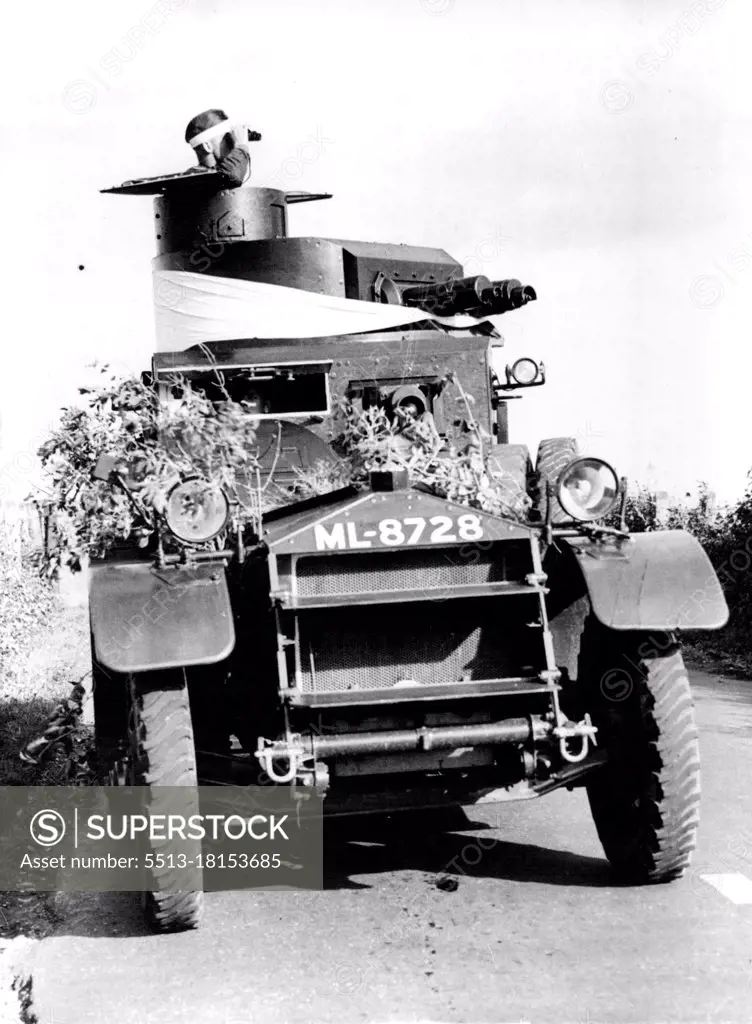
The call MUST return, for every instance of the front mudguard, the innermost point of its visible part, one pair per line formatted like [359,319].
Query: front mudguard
[650,581]
[144,618]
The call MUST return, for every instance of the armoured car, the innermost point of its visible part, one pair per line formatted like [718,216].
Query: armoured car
[393,648]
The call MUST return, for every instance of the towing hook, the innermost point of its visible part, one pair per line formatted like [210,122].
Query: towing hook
[266,757]
[584,730]
[566,753]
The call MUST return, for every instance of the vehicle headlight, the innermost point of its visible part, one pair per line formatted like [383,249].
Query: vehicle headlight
[524,371]
[588,489]
[196,511]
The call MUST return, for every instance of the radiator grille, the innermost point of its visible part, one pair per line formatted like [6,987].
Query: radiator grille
[376,572]
[430,642]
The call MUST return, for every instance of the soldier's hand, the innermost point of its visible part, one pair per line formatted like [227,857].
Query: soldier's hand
[239,135]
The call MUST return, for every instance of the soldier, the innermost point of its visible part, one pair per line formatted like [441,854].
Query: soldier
[411,413]
[255,403]
[221,145]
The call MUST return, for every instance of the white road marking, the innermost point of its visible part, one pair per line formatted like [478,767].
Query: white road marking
[734,886]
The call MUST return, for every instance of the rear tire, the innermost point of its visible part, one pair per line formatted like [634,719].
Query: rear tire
[645,800]
[164,756]
[553,455]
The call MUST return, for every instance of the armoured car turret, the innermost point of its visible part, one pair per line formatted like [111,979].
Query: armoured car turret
[406,650]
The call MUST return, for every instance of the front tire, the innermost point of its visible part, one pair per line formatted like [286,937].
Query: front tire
[164,755]
[645,800]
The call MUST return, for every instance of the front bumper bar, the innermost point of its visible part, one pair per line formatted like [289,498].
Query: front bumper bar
[512,730]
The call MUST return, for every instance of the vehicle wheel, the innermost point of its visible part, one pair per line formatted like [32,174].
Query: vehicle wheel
[111,702]
[510,469]
[553,455]
[645,800]
[164,756]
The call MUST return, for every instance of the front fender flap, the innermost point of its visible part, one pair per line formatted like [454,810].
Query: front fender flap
[144,618]
[652,581]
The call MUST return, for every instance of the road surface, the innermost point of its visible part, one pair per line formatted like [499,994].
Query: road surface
[534,932]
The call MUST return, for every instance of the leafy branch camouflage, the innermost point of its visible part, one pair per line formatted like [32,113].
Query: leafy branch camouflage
[158,441]
[155,444]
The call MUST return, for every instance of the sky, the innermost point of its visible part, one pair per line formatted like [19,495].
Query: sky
[601,152]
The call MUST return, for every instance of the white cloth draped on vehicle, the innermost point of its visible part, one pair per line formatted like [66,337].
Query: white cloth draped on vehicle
[192,309]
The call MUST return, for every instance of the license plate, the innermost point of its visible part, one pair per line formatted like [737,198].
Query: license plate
[405,532]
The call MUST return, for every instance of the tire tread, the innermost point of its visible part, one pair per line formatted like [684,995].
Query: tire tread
[165,757]
[554,453]
[658,747]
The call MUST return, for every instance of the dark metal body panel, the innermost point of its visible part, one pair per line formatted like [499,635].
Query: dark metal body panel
[193,180]
[143,618]
[289,449]
[184,219]
[226,244]
[242,233]
[652,581]
[377,359]
[403,264]
[311,264]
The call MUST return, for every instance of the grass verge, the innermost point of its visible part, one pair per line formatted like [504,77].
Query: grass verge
[44,647]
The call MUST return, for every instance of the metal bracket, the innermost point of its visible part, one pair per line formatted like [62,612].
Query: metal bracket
[268,752]
[584,731]
[314,775]
[548,524]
